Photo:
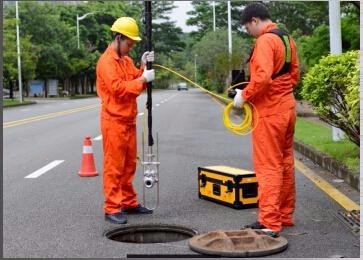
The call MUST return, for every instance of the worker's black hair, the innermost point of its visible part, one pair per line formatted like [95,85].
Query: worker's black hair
[257,10]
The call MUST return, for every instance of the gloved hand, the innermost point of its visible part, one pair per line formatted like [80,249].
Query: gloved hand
[148,75]
[147,56]
[238,100]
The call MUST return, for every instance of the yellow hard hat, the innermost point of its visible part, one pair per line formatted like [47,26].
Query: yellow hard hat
[128,27]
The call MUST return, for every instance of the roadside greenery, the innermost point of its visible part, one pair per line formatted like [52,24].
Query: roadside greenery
[319,136]
[15,102]
[331,86]
[49,39]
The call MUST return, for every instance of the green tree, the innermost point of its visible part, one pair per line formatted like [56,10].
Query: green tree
[315,46]
[28,56]
[10,71]
[304,16]
[332,88]
[214,61]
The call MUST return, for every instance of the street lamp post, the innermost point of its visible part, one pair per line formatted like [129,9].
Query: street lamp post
[214,16]
[229,38]
[78,19]
[195,67]
[229,28]
[335,48]
[18,50]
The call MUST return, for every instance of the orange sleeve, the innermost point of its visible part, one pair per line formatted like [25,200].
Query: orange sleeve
[120,84]
[261,68]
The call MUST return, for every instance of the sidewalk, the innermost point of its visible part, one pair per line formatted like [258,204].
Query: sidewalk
[303,109]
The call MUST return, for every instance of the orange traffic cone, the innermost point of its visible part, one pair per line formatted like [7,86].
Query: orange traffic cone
[88,168]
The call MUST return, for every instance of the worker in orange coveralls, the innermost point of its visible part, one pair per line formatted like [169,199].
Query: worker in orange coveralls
[273,68]
[119,83]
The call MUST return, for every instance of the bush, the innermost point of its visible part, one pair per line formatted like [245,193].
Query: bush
[331,87]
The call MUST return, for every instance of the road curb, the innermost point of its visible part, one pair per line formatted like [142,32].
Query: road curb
[329,164]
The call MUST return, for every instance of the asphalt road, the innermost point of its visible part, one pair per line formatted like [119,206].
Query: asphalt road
[58,214]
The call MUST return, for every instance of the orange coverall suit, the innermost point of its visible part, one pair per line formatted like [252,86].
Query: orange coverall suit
[272,139]
[118,90]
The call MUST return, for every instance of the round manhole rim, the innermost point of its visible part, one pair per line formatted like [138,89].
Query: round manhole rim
[157,227]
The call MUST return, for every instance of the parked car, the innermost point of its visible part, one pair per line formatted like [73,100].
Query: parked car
[182,86]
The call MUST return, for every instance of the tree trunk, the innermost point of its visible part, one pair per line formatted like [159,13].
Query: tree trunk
[11,91]
[45,88]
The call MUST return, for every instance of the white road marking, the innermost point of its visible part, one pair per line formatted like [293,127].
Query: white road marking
[98,138]
[157,105]
[140,114]
[44,169]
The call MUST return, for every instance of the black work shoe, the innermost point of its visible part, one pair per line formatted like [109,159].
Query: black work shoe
[116,218]
[262,229]
[268,232]
[137,210]
[255,225]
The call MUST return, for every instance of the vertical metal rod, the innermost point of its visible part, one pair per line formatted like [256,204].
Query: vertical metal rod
[148,26]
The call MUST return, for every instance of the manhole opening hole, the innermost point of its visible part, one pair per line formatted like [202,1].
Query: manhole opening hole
[150,233]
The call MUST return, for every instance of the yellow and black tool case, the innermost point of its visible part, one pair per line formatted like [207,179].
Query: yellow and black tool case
[228,186]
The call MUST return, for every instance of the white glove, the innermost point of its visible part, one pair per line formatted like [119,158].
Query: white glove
[238,100]
[148,75]
[147,56]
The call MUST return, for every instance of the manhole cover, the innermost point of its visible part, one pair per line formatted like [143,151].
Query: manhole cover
[237,243]
[150,233]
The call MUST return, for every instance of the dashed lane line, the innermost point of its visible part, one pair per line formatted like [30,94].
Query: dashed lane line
[44,169]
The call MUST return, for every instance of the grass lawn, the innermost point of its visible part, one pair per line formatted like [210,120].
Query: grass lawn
[319,137]
[15,102]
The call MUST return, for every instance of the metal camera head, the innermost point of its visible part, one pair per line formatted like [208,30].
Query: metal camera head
[149,181]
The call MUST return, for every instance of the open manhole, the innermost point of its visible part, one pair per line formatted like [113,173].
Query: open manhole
[150,233]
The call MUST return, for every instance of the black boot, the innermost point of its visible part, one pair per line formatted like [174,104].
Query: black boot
[116,218]
[137,210]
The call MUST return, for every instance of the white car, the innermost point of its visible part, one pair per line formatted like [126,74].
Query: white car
[182,86]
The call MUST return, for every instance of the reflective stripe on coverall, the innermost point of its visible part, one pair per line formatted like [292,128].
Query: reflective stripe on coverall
[118,90]
[272,139]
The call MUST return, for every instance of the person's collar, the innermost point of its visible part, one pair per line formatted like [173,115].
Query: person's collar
[113,52]
[266,27]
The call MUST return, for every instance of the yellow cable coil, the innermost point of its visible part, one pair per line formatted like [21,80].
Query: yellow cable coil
[245,127]
[242,128]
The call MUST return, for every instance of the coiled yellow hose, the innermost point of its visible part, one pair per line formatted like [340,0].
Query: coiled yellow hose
[243,128]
